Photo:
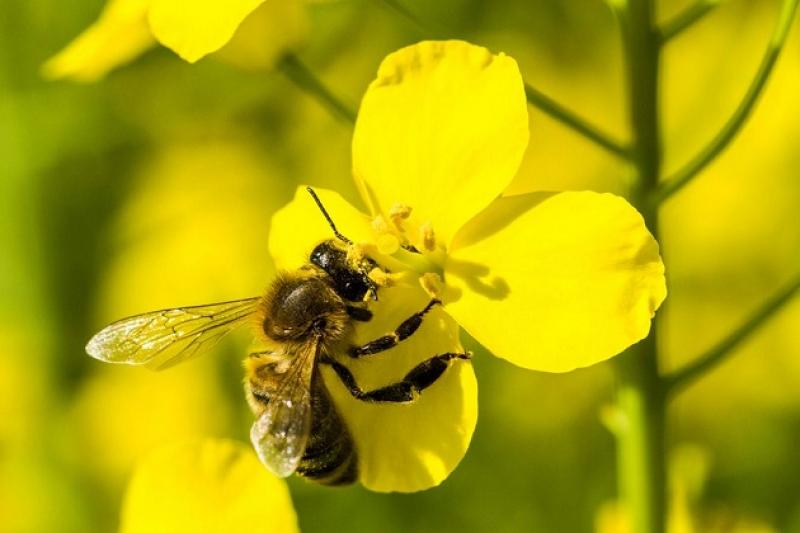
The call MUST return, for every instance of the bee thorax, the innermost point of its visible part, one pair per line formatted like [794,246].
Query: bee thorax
[300,308]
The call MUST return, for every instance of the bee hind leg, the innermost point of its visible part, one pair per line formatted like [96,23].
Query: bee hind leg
[408,389]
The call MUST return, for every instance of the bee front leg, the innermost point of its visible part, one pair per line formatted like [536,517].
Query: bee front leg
[418,379]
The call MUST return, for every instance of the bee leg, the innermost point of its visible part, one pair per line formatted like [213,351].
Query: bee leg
[370,264]
[403,331]
[418,379]
[359,313]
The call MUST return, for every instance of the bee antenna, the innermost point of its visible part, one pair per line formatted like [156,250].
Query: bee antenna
[327,216]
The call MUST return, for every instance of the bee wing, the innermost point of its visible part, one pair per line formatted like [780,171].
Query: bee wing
[160,339]
[281,433]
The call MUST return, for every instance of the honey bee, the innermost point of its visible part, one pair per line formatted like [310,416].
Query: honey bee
[306,317]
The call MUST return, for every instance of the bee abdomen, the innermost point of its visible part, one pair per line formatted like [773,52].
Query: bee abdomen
[333,473]
[330,457]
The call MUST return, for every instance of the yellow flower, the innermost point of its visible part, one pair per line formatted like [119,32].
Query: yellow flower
[211,486]
[549,281]
[253,33]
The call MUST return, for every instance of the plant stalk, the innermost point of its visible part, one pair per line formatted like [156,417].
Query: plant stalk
[557,111]
[740,116]
[686,19]
[641,399]
[306,80]
[687,375]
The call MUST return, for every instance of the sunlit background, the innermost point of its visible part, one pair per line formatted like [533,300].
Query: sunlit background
[154,187]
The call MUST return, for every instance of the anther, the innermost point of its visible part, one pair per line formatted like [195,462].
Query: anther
[398,213]
[432,284]
[381,277]
[427,236]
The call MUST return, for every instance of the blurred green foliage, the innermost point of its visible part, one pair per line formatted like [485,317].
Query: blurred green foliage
[112,201]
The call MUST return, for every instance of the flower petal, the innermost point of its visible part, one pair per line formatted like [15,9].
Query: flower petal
[441,129]
[408,447]
[212,486]
[554,282]
[118,36]
[198,28]
[299,226]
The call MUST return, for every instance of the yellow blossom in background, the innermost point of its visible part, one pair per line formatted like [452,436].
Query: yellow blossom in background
[27,493]
[248,33]
[209,486]
[549,281]
[169,406]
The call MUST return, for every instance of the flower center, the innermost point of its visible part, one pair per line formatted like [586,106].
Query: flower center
[409,241]
[400,229]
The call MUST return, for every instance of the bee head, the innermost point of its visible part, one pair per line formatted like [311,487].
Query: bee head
[348,282]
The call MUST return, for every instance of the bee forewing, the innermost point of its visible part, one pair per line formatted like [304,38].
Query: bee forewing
[280,436]
[160,339]
[281,433]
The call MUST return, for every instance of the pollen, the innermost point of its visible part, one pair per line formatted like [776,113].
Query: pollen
[358,254]
[427,236]
[389,235]
[432,284]
[398,213]
[381,277]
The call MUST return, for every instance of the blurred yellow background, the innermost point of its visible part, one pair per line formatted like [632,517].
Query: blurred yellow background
[155,187]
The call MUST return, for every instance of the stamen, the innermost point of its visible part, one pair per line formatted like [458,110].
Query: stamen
[427,236]
[389,238]
[398,213]
[358,253]
[432,284]
[381,277]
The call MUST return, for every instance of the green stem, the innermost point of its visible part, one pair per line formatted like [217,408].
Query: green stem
[684,377]
[739,117]
[641,441]
[544,103]
[641,471]
[305,79]
[687,18]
